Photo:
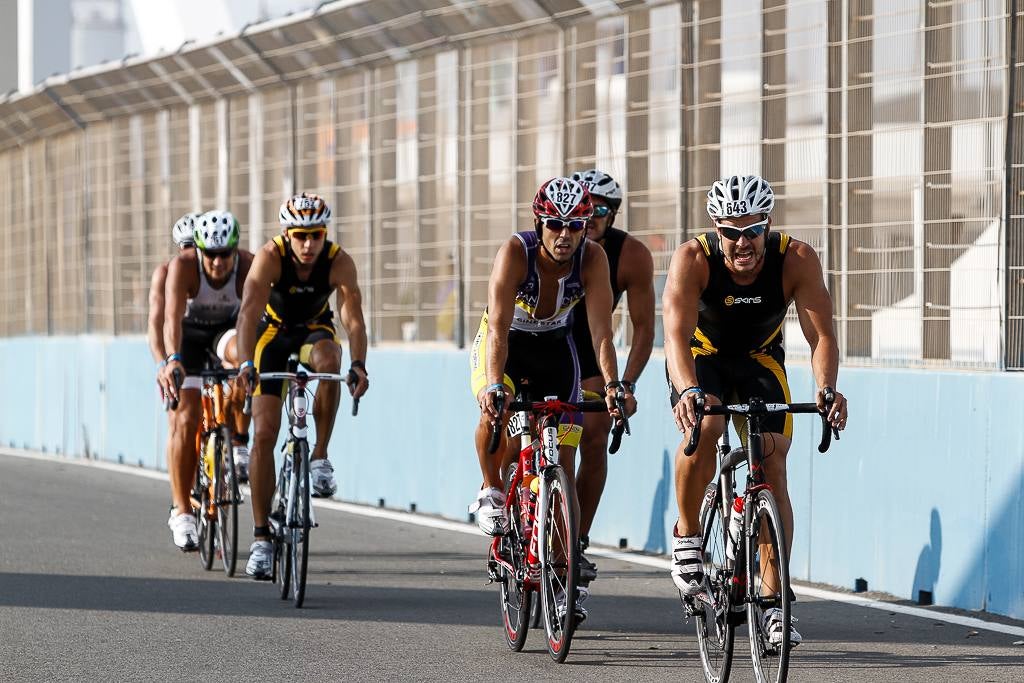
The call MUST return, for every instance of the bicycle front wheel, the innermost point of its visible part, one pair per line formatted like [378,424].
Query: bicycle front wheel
[227,503]
[282,537]
[299,531]
[560,556]
[716,631]
[768,582]
[206,514]
[515,597]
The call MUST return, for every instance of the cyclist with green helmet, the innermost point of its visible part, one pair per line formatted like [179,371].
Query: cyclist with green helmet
[202,298]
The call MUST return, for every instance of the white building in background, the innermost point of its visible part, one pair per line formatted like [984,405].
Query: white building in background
[39,38]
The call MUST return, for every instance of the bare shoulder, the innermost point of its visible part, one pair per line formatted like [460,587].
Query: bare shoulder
[269,249]
[689,254]
[511,253]
[635,255]
[183,262]
[801,258]
[593,253]
[160,273]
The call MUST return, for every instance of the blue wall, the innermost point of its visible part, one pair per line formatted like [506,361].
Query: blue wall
[925,491]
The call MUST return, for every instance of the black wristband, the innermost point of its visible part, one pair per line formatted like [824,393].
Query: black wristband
[629,386]
[612,385]
[358,364]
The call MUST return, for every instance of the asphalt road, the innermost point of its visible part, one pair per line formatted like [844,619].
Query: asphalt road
[91,588]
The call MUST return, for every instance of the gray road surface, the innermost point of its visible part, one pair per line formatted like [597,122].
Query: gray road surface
[92,589]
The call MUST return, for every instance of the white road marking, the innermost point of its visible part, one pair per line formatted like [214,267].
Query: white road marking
[461,527]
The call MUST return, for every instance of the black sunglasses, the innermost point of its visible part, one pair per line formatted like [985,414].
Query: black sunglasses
[220,253]
[601,211]
[558,224]
[751,232]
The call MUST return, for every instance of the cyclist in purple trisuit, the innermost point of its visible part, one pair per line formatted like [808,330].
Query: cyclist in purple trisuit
[725,303]
[631,269]
[539,276]
[286,310]
[202,295]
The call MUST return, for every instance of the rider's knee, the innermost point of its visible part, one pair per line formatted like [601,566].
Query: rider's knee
[326,356]
[185,419]
[265,435]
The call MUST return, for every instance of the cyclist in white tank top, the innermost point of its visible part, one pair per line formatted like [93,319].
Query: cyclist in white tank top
[213,306]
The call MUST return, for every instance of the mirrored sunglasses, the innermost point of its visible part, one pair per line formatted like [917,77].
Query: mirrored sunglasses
[558,224]
[303,235]
[601,211]
[751,232]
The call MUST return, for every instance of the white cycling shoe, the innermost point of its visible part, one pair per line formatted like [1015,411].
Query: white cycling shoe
[489,508]
[261,558]
[688,565]
[183,529]
[773,625]
[321,471]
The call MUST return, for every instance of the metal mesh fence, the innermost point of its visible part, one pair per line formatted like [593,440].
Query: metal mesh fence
[429,124]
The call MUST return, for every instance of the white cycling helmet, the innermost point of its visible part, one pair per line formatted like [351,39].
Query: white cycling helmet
[740,195]
[602,185]
[216,231]
[182,232]
[305,210]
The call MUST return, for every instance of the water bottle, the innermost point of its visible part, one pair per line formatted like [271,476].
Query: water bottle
[735,528]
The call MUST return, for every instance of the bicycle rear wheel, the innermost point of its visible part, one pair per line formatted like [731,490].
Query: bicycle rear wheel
[299,532]
[227,503]
[768,581]
[515,598]
[206,521]
[560,556]
[715,630]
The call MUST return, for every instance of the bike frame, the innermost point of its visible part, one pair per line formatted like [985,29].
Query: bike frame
[536,455]
[213,418]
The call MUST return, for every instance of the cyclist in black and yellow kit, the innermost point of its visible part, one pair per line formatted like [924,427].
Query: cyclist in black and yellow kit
[725,303]
[286,310]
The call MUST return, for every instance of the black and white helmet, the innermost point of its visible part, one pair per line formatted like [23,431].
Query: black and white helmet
[181,233]
[600,184]
[740,195]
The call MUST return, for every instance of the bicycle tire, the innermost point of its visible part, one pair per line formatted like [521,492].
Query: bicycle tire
[560,558]
[227,504]
[716,632]
[299,545]
[282,554]
[207,526]
[766,547]
[515,598]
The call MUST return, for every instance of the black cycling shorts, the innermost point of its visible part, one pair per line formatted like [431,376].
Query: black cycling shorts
[277,342]
[736,378]
[199,345]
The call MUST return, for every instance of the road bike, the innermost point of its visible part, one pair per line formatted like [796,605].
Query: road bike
[292,516]
[216,496]
[539,552]
[746,568]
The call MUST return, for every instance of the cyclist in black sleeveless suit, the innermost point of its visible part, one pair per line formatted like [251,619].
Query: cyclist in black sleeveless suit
[725,303]
[286,310]
[631,268]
